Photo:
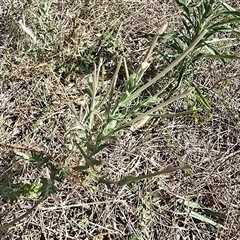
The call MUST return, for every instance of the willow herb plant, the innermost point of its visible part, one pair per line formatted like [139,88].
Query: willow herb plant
[221,21]
[124,111]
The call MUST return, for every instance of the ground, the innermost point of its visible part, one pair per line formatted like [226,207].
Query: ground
[41,81]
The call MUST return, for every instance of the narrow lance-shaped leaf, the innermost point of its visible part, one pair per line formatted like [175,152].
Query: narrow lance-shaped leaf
[168,169]
[160,106]
[204,219]
[111,87]
[232,20]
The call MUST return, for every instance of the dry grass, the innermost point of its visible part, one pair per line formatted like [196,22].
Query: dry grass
[39,82]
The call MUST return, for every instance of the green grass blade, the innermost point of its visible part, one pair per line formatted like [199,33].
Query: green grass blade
[215,214]
[201,97]
[228,7]
[204,219]
[231,13]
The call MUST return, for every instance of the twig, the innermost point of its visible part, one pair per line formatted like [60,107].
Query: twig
[5,227]
[154,42]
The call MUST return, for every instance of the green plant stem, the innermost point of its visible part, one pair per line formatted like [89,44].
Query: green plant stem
[150,112]
[166,70]
[154,42]
[112,86]
[94,91]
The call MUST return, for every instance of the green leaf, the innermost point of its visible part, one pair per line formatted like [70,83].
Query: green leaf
[211,50]
[208,211]
[204,219]
[215,213]
[24,155]
[232,57]
[133,237]
[92,162]
[201,97]
[169,169]
[195,115]
[151,111]
[30,190]
[48,187]
[207,119]
[208,11]
[180,4]
[38,159]
[228,7]
[228,13]
[101,137]
[57,174]
[187,16]
[232,20]
[150,101]
[217,40]
[187,28]
[131,82]
[80,168]
[99,148]
[109,127]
